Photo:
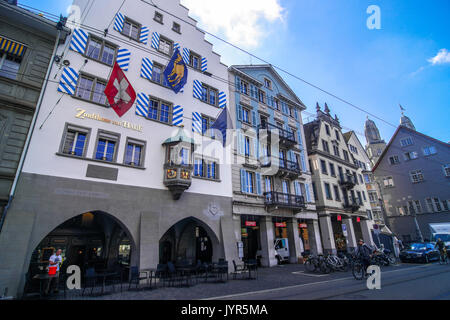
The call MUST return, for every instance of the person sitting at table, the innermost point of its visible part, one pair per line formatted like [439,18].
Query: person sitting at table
[54,261]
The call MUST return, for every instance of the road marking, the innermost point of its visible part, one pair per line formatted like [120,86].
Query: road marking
[301,285]
[303,273]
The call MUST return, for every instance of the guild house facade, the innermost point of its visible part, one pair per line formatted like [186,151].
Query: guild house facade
[135,190]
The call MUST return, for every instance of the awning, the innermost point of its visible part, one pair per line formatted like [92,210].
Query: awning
[11,47]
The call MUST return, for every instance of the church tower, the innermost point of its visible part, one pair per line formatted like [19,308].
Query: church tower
[375,145]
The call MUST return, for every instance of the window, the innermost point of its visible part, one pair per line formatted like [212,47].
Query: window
[416,176]
[337,135]
[336,151]
[445,205]
[332,170]
[247,146]
[209,95]
[437,204]
[160,110]
[268,184]
[75,140]
[134,153]
[165,46]
[406,142]
[158,17]
[325,146]
[268,83]
[373,197]
[158,74]
[277,104]
[207,123]
[327,129]
[250,181]
[346,155]
[100,50]
[176,27]
[428,151]
[336,193]
[388,182]
[418,206]
[360,179]
[412,209]
[411,155]
[328,191]
[244,87]
[323,165]
[446,168]
[91,89]
[106,146]
[366,178]
[195,61]
[206,168]
[401,211]
[394,160]
[261,96]
[430,205]
[131,29]
[246,115]
[9,65]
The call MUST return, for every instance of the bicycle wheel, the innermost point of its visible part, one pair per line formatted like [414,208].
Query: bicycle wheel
[358,271]
[324,267]
[392,260]
[309,266]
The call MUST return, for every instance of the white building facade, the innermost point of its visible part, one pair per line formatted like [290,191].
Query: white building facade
[97,185]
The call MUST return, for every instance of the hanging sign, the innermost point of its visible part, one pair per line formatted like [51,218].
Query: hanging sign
[250,223]
[339,218]
[303,225]
[344,230]
[280,224]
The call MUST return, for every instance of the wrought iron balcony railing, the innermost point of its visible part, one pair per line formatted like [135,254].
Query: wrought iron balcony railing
[347,180]
[352,204]
[284,200]
[287,138]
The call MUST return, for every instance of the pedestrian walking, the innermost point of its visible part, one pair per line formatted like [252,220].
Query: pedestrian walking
[54,261]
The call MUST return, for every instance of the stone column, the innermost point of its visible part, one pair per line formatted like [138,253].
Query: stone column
[294,240]
[351,239]
[365,229]
[326,229]
[149,241]
[267,247]
[314,237]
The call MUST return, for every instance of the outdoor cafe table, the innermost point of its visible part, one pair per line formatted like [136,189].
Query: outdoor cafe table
[251,266]
[43,278]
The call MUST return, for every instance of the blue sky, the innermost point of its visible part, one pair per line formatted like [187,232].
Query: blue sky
[327,43]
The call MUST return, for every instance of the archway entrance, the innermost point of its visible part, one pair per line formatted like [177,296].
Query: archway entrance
[93,239]
[189,241]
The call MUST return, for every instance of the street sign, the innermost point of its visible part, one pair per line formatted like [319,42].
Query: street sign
[344,229]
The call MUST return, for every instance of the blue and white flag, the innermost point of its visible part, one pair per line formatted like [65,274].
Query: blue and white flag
[223,123]
[176,72]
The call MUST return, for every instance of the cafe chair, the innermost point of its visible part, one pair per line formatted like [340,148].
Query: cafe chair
[239,269]
[135,277]
[90,280]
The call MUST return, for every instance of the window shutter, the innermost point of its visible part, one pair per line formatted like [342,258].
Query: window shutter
[243,181]
[258,183]
[144,35]
[186,55]
[147,68]
[302,159]
[197,89]
[143,102]
[196,122]
[238,84]
[176,46]
[300,141]
[204,64]
[177,118]
[79,41]
[298,192]
[155,40]
[254,118]
[308,195]
[119,21]
[239,112]
[123,58]
[295,113]
[68,82]
[255,148]
[222,99]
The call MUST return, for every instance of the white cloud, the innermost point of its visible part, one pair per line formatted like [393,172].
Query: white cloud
[442,57]
[243,22]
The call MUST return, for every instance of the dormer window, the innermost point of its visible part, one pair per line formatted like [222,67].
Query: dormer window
[268,83]
[158,17]
[176,27]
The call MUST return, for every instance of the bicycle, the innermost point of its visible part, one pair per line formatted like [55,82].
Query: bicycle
[358,270]
[443,258]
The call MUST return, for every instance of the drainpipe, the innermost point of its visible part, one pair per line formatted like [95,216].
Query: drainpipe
[30,132]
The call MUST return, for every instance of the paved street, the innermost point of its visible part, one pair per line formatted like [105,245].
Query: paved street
[290,282]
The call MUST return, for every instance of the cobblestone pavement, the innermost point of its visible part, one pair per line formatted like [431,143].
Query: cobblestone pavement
[268,278]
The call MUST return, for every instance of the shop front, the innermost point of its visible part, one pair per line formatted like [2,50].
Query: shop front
[340,232]
[251,237]
[304,236]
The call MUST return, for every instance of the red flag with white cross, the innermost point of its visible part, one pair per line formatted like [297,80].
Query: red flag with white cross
[119,91]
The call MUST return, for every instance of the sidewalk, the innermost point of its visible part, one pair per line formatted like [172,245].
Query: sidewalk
[268,278]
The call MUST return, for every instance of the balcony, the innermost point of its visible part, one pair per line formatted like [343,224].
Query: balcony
[286,138]
[352,204]
[284,200]
[177,178]
[347,181]
[286,168]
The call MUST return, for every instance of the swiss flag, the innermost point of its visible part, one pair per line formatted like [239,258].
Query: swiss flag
[119,91]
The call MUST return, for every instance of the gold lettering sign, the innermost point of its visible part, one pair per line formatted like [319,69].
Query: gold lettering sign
[171,174]
[185,174]
[82,114]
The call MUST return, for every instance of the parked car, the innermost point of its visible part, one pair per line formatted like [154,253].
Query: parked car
[420,252]
[281,250]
